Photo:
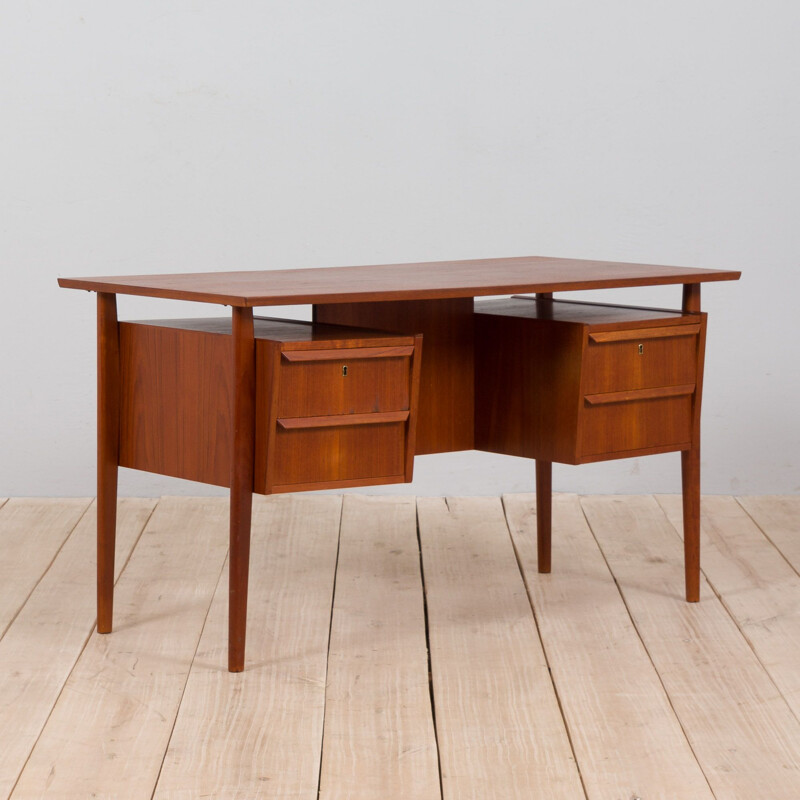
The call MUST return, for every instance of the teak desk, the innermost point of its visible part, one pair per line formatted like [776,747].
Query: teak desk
[267,405]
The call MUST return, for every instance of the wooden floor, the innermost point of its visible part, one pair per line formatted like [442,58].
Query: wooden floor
[402,649]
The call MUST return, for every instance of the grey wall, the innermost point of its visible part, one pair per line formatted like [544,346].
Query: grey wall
[177,136]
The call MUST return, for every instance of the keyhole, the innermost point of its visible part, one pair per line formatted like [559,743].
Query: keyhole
[641,350]
[344,369]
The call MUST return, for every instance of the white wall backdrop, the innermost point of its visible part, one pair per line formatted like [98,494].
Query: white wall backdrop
[190,135]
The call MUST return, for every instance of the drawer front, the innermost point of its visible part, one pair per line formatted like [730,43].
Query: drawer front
[343,385]
[332,454]
[640,363]
[636,425]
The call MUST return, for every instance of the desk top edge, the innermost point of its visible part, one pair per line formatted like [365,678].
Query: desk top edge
[417,281]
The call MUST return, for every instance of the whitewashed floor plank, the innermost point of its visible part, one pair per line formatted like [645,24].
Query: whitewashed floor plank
[500,732]
[627,739]
[257,734]
[742,731]
[379,740]
[43,643]
[758,587]
[109,729]
[779,519]
[32,530]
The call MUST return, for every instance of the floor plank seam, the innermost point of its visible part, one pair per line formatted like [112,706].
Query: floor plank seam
[330,632]
[188,673]
[773,593]
[647,651]
[46,569]
[753,649]
[544,651]
[130,554]
[136,543]
[49,714]
[767,536]
[83,647]
[738,627]
[428,648]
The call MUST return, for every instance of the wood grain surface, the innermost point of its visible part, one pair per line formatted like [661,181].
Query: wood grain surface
[177,402]
[447,377]
[579,382]
[758,586]
[379,736]
[499,727]
[108,451]
[243,357]
[779,518]
[591,674]
[112,722]
[626,736]
[420,281]
[258,734]
[744,735]
[42,645]
[32,531]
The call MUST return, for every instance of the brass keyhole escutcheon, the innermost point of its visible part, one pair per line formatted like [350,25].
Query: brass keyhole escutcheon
[641,351]
[344,369]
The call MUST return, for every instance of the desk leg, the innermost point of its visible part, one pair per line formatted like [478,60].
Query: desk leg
[544,509]
[690,462]
[690,474]
[241,500]
[107,454]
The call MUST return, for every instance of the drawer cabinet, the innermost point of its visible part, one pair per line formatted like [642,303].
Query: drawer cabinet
[335,406]
[342,411]
[585,382]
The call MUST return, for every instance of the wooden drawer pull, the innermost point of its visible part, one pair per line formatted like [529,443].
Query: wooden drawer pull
[342,420]
[644,333]
[638,394]
[346,353]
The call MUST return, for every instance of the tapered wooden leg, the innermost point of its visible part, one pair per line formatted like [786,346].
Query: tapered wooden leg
[544,509]
[690,459]
[690,473]
[241,501]
[107,454]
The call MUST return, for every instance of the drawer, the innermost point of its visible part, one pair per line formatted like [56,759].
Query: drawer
[354,380]
[617,426]
[333,454]
[641,359]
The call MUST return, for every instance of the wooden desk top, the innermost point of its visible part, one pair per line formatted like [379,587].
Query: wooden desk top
[424,281]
